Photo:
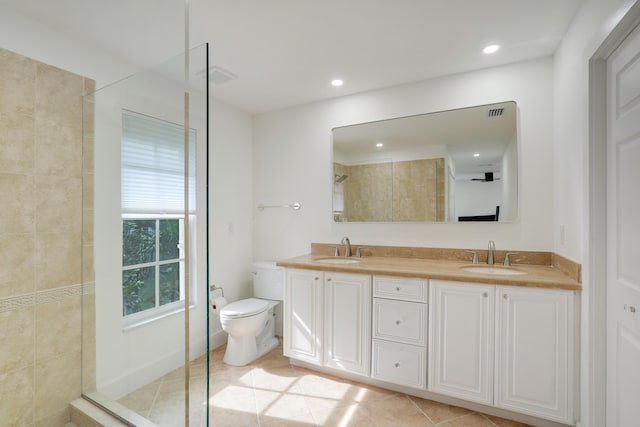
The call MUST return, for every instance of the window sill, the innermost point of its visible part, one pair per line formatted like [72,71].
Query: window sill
[130,324]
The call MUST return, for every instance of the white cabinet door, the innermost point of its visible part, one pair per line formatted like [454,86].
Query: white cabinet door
[303,315]
[347,338]
[461,331]
[534,352]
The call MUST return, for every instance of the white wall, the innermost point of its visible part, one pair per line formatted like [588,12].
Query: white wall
[570,120]
[477,197]
[292,163]
[35,40]
[231,227]
[591,25]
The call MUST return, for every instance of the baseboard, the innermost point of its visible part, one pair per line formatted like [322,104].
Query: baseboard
[131,380]
[217,339]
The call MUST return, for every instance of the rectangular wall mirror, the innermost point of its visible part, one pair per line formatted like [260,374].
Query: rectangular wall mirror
[449,166]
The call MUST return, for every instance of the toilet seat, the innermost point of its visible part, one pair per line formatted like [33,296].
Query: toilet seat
[244,308]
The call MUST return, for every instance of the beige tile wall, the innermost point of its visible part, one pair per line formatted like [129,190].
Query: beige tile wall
[400,191]
[41,248]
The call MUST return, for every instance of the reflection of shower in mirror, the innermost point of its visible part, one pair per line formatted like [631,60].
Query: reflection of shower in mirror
[337,179]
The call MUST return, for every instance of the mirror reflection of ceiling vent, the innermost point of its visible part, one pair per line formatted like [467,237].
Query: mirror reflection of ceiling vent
[218,75]
[496,112]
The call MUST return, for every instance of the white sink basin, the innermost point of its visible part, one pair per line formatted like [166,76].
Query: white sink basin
[338,260]
[493,269]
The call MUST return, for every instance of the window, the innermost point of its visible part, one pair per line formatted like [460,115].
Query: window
[153,267]
[152,263]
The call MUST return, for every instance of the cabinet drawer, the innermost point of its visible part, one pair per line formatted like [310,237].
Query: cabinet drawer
[400,288]
[400,321]
[399,363]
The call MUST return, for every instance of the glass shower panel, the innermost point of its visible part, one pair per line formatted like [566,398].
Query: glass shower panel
[145,308]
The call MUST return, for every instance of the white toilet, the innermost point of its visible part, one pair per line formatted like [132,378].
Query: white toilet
[250,322]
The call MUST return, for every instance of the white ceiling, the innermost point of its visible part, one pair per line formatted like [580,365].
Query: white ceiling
[285,52]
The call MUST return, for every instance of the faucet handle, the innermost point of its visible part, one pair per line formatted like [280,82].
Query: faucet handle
[359,251]
[336,251]
[506,258]
[475,256]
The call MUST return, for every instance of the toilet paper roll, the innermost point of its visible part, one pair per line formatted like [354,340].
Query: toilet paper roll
[217,304]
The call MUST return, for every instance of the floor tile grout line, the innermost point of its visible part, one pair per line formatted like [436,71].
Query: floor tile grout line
[155,397]
[455,418]
[420,409]
[487,418]
[255,398]
[280,392]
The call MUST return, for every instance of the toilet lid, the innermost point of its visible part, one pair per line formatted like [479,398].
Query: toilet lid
[244,308]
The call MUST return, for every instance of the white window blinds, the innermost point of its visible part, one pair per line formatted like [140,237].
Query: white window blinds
[153,165]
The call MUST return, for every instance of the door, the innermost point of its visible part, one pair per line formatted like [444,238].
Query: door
[303,315]
[461,334]
[534,352]
[623,233]
[347,302]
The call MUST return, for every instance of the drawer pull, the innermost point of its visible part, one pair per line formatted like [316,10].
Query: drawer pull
[398,288]
[397,322]
[397,365]
[316,278]
[486,294]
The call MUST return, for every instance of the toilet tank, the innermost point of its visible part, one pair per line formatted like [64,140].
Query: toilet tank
[268,280]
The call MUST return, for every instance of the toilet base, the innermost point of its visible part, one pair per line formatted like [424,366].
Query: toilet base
[244,350]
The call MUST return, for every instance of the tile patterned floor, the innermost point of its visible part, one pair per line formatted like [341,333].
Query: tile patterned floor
[270,392]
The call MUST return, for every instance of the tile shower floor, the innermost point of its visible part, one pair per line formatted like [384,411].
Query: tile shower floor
[270,392]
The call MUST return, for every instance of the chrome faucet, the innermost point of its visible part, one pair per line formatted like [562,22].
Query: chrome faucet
[490,251]
[347,243]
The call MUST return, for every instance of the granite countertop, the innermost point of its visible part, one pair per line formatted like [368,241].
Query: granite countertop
[540,276]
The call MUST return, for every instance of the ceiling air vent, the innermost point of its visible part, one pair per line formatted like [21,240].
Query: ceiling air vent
[218,75]
[496,112]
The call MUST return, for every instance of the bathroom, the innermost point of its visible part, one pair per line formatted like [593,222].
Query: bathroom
[554,152]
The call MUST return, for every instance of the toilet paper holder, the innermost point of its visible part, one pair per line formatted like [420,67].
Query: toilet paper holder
[213,288]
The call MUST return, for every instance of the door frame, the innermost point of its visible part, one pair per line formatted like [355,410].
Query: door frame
[594,315]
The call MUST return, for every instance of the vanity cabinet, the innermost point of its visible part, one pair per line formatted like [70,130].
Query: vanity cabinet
[303,315]
[506,346]
[461,340]
[327,319]
[399,345]
[534,351]
[347,322]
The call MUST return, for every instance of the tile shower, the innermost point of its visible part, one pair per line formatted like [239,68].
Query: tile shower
[41,245]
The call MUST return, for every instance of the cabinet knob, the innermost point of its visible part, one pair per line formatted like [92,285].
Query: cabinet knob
[329,279]
[397,365]
[398,288]
[486,294]
[629,308]
[316,278]
[397,322]
[505,296]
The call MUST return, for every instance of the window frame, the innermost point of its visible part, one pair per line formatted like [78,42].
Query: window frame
[159,311]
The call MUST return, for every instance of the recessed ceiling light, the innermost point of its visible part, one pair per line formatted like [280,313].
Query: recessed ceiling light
[476,155]
[379,144]
[337,82]
[492,48]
